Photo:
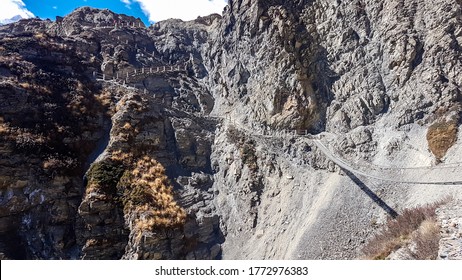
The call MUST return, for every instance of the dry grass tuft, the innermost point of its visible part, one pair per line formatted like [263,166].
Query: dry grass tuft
[26,85]
[105,98]
[142,188]
[415,225]
[120,156]
[148,194]
[441,136]
[4,129]
[246,147]
[40,36]
[427,240]
[57,162]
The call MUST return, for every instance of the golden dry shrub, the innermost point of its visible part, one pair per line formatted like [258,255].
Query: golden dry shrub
[40,36]
[4,128]
[121,156]
[148,196]
[127,131]
[441,136]
[104,98]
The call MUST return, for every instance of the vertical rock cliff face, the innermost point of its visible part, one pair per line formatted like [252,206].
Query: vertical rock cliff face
[382,76]
[195,163]
[264,49]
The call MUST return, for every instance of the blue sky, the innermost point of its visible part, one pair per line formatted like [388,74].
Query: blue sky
[148,10]
[51,8]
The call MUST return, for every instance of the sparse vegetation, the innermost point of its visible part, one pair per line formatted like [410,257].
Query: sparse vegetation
[234,135]
[417,226]
[127,131]
[105,98]
[121,156]
[248,154]
[4,129]
[40,36]
[105,175]
[246,148]
[147,193]
[142,189]
[427,241]
[441,136]
[57,162]
[25,139]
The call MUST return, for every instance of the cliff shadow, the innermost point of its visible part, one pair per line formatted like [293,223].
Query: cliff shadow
[382,204]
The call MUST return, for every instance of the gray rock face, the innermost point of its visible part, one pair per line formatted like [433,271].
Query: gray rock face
[366,71]
[451,231]
[374,74]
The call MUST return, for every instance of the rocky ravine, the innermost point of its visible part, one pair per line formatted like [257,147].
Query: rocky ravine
[180,168]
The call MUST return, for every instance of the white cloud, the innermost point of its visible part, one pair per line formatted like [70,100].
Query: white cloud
[11,8]
[127,3]
[157,10]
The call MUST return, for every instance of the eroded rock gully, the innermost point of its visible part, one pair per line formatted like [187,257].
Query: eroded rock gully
[375,74]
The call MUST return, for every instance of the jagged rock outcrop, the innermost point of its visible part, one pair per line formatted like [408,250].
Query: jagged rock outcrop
[381,77]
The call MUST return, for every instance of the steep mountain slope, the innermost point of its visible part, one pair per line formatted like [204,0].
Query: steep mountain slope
[178,140]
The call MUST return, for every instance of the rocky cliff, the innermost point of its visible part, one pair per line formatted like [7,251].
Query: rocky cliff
[108,154]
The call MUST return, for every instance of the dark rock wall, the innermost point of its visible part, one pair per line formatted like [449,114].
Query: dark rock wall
[264,65]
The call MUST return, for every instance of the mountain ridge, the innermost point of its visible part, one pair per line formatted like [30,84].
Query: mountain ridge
[381,77]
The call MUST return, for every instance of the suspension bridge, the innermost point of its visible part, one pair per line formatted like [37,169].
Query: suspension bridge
[422,175]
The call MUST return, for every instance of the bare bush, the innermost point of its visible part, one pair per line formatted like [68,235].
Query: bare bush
[427,241]
[415,225]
